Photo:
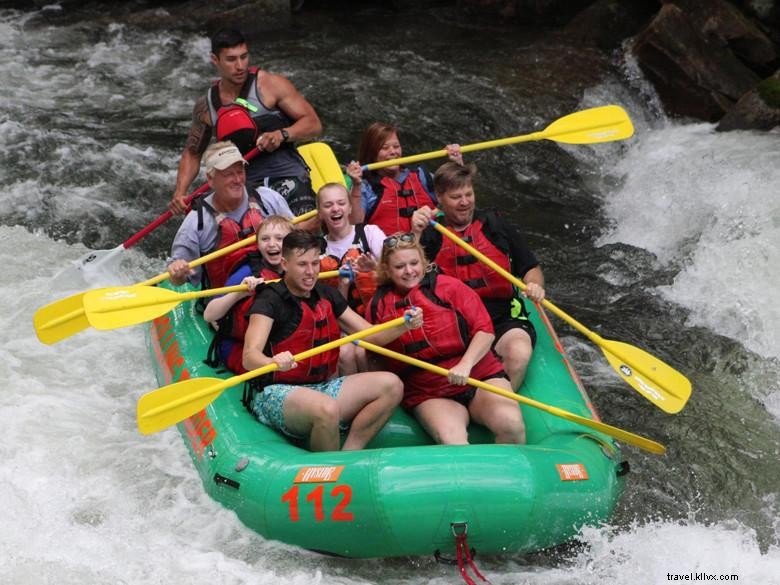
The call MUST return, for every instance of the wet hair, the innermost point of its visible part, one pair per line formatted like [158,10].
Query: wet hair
[274,220]
[382,273]
[451,175]
[225,38]
[303,241]
[372,140]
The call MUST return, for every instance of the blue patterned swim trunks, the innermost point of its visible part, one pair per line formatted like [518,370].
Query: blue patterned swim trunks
[268,405]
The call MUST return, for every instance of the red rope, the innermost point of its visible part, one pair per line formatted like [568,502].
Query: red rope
[464,557]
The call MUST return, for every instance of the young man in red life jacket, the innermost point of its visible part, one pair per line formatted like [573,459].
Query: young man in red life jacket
[306,399]
[251,107]
[226,216]
[498,240]
[387,197]
[228,313]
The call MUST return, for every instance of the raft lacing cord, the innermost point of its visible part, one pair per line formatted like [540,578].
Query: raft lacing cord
[463,555]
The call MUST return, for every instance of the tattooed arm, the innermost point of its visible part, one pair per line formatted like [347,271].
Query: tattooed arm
[189,165]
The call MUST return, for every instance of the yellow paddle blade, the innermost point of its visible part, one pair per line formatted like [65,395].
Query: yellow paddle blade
[603,124]
[60,319]
[657,381]
[171,404]
[323,165]
[122,306]
[614,432]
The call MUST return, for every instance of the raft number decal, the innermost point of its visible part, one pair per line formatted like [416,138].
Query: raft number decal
[342,494]
[572,471]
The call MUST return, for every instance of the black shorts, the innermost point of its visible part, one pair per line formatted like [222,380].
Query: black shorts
[467,396]
[504,324]
[464,397]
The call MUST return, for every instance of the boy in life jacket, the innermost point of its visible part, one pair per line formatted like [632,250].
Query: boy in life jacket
[307,398]
[500,241]
[457,335]
[387,197]
[228,313]
[353,250]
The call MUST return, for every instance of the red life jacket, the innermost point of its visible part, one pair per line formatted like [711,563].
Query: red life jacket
[247,117]
[444,333]
[317,326]
[330,262]
[234,325]
[455,261]
[229,232]
[234,121]
[396,202]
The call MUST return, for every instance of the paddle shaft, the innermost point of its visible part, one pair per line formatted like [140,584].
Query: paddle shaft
[123,303]
[643,366]
[230,382]
[557,130]
[619,434]
[514,280]
[165,275]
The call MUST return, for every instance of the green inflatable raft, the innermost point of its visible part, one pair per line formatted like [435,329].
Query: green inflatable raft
[403,495]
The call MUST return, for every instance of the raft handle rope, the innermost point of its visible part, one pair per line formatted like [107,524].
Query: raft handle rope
[464,555]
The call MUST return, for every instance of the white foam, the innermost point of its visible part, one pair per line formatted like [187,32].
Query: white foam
[708,203]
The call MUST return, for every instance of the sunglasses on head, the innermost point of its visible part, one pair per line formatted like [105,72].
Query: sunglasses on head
[392,241]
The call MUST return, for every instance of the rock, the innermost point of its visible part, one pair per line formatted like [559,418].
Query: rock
[758,109]
[693,76]
[546,12]
[607,23]
[723,23]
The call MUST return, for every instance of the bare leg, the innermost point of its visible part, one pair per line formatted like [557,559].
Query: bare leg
[445,420]
[367,400]
[308,412]
[499,414]
[348,360]
[515,349]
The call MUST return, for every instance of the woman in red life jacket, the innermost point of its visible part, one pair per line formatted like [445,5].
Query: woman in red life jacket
[387,197]
[457,334]
[228,313]
[352,249]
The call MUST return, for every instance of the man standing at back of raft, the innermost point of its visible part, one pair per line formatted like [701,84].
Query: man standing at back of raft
[500,241]
[250,106]
[226,216]
[306,399]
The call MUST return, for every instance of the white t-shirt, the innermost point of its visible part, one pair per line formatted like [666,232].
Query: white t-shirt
[374,236]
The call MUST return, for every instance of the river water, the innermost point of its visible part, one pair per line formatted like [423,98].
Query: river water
[669,241]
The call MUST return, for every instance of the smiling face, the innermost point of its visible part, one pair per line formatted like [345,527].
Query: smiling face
[333,208]
[232,64]
[405,268]
[390,149]
[458,203]
[269,243]
[228,185]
